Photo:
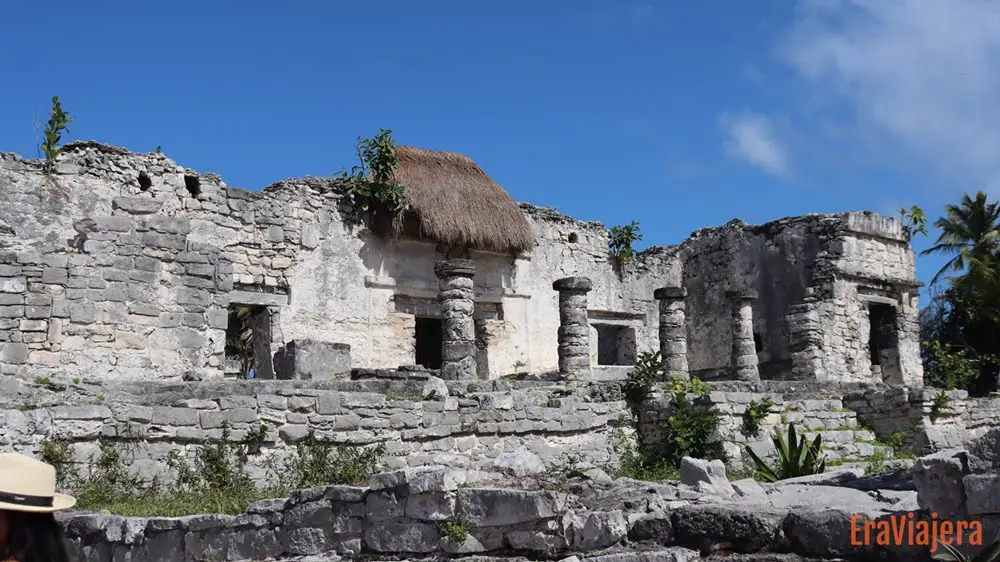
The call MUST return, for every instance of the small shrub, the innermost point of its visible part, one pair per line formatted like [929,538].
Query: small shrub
[898,443]
[648,370]
[453,530]
[914,221]
[58,124]
[620,240]
[941,402]
[317,462]
[371,186]
[796,457]
[690,432]
[755,415]
[633,464]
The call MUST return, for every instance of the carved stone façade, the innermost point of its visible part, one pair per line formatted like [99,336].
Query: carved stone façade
[128,266]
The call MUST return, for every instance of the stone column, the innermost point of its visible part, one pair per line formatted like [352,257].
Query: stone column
[574,327]
[744,364]
[673,330]
[458,328]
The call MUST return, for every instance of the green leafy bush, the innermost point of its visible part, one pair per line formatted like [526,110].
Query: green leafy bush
[620,240]
[648,370]
[371,185]
[755,414]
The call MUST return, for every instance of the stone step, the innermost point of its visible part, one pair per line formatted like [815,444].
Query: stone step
[818,405]
[819,420]
[842,435]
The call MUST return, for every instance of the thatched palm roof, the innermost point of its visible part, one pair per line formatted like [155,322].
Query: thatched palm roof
[457,204]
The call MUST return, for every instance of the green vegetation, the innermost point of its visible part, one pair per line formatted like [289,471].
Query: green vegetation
[941,401]
[215,479]
[453,530]
[371,186]
[914,221]
[620,240]
[960,328]
[648,370]
[796,457]
[58,124]
[689,430]
[755,414]
[881,463]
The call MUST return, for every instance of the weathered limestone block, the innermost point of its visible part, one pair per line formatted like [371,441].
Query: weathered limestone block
[744,360]
[713,473]
[939,482]
[313,360]
[458,337]
[673,330]
[574,326]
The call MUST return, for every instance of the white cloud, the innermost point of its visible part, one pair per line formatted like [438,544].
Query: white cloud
[752,137]
[920,76]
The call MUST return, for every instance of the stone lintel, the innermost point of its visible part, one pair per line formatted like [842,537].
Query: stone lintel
[741,294]
[670,293]
[258,299]
[573,284]
[455,268]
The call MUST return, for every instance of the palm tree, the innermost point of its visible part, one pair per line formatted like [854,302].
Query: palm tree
[970,232]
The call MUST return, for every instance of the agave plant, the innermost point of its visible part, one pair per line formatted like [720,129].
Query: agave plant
[951,554]
[796,456]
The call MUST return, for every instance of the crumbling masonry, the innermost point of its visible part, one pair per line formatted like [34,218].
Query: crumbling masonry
[127,266]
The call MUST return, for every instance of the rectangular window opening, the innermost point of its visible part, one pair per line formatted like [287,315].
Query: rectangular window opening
[615,345]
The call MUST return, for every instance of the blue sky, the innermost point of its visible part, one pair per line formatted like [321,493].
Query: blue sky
[676,114]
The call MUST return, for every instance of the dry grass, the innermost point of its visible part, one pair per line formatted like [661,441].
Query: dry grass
[457,204]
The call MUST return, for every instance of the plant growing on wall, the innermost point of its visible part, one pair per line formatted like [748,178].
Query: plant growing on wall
[639,383]
[914,221]
[755,414]
[58,124]
[690,431]
[371,186]
[620,240]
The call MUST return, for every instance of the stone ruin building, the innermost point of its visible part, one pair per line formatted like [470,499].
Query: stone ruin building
[121,265]
[122,275]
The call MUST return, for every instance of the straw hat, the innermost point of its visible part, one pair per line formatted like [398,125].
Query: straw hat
[29,485]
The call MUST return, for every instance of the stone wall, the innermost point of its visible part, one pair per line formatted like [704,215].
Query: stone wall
[814,277]
[420,422]
[931,419]
[108,216]
[189,247]
[813,409]
[855,420]
[401,512]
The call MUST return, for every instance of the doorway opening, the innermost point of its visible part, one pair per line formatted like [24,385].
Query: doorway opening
[882,337]
[427,333]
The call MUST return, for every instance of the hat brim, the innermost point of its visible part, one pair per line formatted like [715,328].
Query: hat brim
[59,503]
